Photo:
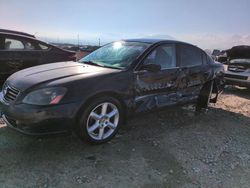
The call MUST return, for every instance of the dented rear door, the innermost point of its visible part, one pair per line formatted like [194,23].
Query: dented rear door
[192,72]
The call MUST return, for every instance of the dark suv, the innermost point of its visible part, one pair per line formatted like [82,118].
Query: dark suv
[20,50]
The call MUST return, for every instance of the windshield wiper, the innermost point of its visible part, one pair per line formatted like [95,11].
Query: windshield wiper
[112,67]
[100,65]
[93,63]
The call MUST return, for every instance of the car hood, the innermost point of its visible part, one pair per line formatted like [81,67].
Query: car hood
[50,72]
[239,52]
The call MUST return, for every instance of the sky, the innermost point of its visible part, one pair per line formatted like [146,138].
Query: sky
[208,24]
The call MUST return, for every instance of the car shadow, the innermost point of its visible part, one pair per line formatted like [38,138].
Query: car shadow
[142,128]
[145,141]
[238,91]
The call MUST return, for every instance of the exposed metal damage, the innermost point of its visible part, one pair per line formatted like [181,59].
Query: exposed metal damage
[175,91]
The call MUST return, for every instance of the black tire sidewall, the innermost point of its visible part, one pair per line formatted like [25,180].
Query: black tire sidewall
[205,94]
[81,128]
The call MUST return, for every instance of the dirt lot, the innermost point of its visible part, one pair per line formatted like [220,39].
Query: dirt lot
[171,148]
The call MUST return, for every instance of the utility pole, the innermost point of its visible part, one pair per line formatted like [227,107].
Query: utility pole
[78,42]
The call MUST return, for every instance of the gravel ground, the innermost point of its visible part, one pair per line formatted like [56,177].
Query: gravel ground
[172,148]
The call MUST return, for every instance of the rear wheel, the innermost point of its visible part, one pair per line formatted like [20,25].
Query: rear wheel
[100,121]
[205,95]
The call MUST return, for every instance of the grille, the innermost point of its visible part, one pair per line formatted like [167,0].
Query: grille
[236,76]
[10,93]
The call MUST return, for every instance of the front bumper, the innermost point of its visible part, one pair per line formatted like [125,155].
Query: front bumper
[242,83]
[239,79]
[39,120]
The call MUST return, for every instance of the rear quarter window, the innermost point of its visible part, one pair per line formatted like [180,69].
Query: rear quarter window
[189,56]
[205,58]
[43,46]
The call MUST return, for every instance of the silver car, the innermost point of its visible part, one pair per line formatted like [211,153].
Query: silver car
[238,72]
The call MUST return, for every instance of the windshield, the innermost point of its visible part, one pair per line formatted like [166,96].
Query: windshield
[116,55]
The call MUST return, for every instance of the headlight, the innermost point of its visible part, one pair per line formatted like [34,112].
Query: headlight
[45,96]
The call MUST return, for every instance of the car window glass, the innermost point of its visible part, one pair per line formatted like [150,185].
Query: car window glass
[204,58]
[120,54]
[164,56]
[2,42]
[209,59]
[43,47]
[29,46]
[189,56]
[13,44]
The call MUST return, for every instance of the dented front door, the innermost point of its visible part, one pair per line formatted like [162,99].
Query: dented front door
[157,89]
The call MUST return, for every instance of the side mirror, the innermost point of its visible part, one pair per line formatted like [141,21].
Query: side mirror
[151,67]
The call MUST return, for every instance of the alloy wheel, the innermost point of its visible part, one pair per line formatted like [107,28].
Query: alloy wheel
[102,121]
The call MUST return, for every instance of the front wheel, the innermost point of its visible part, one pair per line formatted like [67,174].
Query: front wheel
[205,95]
[100,121]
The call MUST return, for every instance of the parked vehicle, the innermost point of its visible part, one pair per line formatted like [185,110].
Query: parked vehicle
[238,72]
[20,50]
[94,96]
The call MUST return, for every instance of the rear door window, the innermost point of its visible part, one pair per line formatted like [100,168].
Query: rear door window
[29,46]
[189,56]
[43,46]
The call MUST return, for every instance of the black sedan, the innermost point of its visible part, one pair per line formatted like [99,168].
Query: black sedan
[94,96]
[20,50]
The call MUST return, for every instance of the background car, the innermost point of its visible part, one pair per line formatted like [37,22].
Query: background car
[20,50]
[238,71]
[94,96]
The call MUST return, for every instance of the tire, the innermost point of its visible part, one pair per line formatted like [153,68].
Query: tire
[205,95]
[97,125]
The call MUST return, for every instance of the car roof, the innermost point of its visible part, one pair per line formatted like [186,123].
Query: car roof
[7,31]
[152,41]
[27,37]
[23,36]
[144,40]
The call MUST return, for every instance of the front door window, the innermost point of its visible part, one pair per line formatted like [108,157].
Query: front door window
[164,56]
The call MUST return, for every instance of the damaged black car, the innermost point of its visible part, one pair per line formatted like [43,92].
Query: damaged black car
[94,96]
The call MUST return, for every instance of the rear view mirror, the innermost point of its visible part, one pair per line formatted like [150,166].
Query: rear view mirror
[151,67]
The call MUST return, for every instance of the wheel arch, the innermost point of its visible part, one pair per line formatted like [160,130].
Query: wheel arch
[99,95]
